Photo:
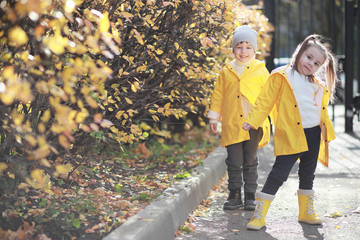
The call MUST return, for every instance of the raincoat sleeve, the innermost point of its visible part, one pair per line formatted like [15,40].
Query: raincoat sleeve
[264,104]
[217,99]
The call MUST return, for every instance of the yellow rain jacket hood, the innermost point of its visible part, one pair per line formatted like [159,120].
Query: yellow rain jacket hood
[289,135]
[226,101]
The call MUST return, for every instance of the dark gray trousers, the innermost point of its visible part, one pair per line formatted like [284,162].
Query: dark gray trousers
[242,162]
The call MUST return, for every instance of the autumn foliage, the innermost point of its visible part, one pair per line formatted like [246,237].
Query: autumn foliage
[80,75]
[76,74]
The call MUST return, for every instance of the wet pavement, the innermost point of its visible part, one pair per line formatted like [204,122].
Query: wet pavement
[337,191]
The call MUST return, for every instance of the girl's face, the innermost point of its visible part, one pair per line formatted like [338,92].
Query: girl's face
[310,61]
[244,51]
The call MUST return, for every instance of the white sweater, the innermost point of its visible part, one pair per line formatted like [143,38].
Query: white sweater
[305,93]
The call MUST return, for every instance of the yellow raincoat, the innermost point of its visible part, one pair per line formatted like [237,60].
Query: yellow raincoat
[289,135]
[226,101]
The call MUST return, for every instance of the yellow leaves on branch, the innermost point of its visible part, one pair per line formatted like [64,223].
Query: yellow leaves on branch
[166,110]
[38,180]
[33,6]
[14,87]
[17,117]
[152,111]
[86,91]
[17,36]
[144,126]
[135,86]
[56,43]
[176,46]
[64,142]
[31,140]
[128,100]
[159,51]
[46,116]
[40,153]
[8,73]
[104,23]
[149,22]
[127,15]
[129,59]
[206,42]
[92,103]
[62,170]
[138,36]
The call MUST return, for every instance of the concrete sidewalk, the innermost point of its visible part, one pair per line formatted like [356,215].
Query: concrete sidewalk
[337,191]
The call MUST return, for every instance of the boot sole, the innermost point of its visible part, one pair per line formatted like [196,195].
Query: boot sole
[249,208]
[232,207]
[252,227]
[318,222]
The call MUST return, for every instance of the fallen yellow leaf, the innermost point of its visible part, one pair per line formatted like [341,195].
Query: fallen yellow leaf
[336,215]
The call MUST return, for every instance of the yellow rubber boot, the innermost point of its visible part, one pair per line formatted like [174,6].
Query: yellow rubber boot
[263,201]
[306,207]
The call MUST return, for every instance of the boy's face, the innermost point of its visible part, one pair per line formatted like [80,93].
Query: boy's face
[310,61]
[244,51]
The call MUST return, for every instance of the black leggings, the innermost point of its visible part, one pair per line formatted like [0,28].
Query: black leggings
[307,166]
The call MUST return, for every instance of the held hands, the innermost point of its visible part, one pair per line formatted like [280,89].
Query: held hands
[213,127]
[247,126]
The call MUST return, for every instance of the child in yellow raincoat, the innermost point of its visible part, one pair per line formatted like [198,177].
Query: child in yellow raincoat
[302,126]
[236,89]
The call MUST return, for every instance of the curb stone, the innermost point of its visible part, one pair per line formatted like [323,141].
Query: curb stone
[165,214]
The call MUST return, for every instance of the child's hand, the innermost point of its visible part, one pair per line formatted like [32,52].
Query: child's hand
[213,127]
[247,126]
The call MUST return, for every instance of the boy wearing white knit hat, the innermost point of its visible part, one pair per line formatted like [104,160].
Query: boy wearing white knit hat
[235,92]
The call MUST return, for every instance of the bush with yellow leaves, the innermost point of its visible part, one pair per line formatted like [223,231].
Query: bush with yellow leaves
[78,73]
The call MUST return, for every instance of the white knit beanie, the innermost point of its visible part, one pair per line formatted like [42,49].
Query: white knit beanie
[244,33]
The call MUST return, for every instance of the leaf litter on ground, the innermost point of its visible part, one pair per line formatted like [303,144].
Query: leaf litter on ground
[104,191]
